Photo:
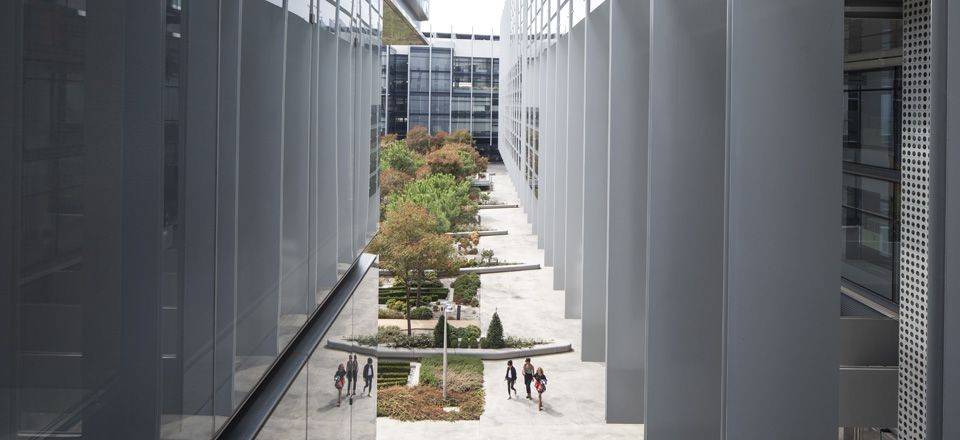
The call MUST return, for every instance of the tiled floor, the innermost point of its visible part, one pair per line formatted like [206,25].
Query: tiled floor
[530,308]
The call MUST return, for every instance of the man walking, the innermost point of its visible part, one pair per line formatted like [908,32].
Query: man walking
[528,376]
[368,377]
[352,368]
[511,378]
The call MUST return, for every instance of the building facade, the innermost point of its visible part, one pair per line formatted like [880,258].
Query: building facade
[450,85]
[683,164]
[182,184]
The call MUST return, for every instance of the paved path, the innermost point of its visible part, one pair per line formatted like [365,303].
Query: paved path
[528,307]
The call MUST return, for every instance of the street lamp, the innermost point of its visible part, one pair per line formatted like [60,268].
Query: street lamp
[446,307]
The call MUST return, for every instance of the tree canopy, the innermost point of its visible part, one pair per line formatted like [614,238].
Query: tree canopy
[445,197]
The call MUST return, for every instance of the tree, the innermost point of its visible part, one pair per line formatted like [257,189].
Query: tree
[438,139]
[459,160]
[392,181]
[409,246]
[461,136]
[495,332]
[398,156]
[388,138]
[438,333]
[418,139]
[443,195]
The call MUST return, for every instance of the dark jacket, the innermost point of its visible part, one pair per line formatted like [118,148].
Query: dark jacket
[511,373]
[368,371]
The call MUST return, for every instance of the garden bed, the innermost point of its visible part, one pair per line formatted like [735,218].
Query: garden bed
[392,373]
[425,401]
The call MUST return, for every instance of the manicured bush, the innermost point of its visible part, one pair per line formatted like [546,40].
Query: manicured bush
[495,332]
[398,305]
[418,340]
[421,313]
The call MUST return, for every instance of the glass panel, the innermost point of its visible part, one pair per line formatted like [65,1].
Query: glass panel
[872,109]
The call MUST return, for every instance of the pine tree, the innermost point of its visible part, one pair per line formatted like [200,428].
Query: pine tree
[495,332]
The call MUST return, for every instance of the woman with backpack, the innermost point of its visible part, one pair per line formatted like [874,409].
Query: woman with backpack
[338,382]
[541,386]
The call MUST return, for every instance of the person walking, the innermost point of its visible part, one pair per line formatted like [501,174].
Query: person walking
[528,376]
[541,386]
[338,381]
[511,378]
[367,377]
[352,368]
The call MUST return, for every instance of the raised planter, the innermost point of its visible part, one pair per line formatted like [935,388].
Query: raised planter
[485,269]
[480,233]
[490,354]
[499,269]
[499,206]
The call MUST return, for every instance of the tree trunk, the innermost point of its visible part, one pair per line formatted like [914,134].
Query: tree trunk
[419,277]
[407,291]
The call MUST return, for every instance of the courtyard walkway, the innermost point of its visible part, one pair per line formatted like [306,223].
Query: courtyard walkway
[529,308]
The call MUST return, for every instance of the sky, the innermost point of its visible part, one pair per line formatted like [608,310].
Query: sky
[481,15]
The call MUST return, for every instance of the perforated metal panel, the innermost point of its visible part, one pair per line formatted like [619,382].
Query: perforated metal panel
[915,222]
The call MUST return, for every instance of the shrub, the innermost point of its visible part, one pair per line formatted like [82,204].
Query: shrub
[438,334]
[495,332]
[389,314]
[465,289]
[421,313]
[515,342]
[398,305]
[442,196]
[469,332]
[388,333]
[388,138]
[396,155]
[418,340]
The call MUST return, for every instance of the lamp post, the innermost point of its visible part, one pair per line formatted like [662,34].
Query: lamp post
[446,308]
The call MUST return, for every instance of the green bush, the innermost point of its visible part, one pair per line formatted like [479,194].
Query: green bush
[418,340]
[465,289]
[469,332]
[421,313]
[389,314]
[398,305]
[495,332]
[438,334]
[515,342]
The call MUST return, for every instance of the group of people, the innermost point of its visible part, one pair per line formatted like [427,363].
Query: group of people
[530,375]
[350,374]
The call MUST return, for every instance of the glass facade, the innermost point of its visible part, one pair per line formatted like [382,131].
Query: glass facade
[445,89]
[172,208]
[871,157]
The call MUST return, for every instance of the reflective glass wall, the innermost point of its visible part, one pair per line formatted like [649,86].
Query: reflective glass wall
[172,203]
[871,157]
[451,85]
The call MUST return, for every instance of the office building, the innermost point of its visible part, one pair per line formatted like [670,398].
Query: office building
[451,84]
[685,165]
[182,184]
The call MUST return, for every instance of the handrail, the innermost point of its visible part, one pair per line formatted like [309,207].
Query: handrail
[252,414]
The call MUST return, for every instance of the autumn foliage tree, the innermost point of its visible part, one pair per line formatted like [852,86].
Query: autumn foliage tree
[418,139]
[392,181]
[409,246]
[459,160]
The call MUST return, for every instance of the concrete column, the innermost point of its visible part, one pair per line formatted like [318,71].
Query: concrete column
[781,377]
[742,303]
[548,161]
[559,144]
[594,232]
[627,210]
[574,193]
